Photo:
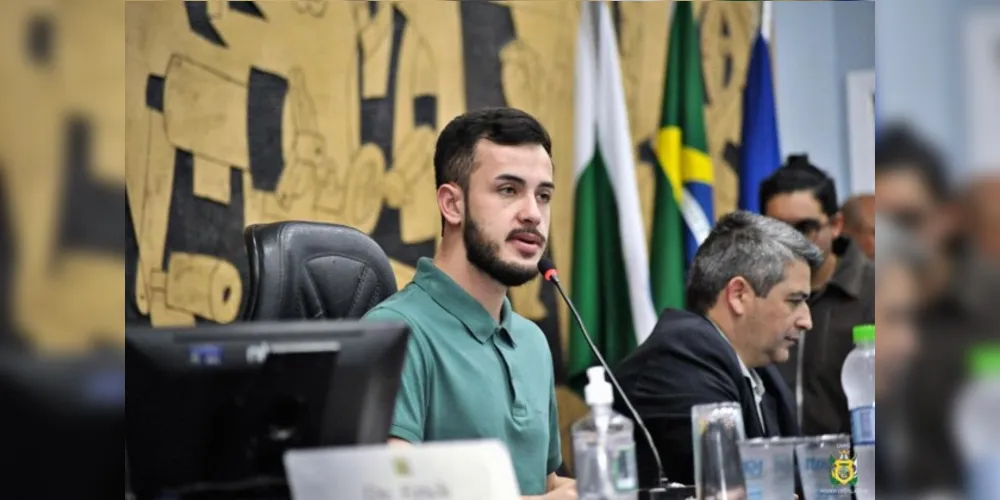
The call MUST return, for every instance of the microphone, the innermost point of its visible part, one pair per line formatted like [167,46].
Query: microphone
[548,270]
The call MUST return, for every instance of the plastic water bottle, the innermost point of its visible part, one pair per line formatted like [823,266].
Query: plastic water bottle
[858,379]
[976,429]
[604,446]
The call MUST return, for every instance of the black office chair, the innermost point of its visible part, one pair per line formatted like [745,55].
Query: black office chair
[310,270]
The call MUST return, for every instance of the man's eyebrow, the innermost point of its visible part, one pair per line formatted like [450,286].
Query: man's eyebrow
[510,178]
[799,295]
[518,180]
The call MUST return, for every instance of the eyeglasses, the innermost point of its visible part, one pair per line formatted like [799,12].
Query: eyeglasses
[809,227]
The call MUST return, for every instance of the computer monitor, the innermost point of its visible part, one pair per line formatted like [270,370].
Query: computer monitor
[214,408]
[63,419]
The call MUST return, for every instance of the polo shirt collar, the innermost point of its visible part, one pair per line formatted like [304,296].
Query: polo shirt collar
[466,309]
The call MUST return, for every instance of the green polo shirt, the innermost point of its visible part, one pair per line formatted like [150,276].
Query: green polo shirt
[468,377]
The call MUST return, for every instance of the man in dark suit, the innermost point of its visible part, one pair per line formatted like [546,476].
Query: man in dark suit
[746,299]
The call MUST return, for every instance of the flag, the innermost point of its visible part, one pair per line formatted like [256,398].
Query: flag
[682,214]
[610,279]
[760,155]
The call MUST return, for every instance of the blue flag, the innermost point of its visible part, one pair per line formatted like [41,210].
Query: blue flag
[761,154]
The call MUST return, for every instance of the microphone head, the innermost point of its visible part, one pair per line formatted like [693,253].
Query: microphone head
[548,269]
[544,265]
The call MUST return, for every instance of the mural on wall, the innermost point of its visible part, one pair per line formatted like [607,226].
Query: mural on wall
[61,176]
[250,112]
[247,112]
[252,147]
[727,32]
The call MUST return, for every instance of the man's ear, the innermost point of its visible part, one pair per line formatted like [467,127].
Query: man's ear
[451,202]
[837,224]
[738,294]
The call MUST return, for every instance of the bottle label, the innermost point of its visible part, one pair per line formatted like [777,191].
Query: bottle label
[863,425]
[624,475]
[984,478]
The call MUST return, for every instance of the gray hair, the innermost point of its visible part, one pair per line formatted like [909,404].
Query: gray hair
[744,244]
[894,245]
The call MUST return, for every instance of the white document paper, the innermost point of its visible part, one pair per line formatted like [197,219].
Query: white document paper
[440,471]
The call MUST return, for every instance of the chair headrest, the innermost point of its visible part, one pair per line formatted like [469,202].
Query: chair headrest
[310,270]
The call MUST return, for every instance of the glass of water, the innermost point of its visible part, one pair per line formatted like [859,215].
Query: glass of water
[729,414]
[826,466]
[769,467]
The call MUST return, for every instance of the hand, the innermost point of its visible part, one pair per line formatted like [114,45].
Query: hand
[565,491]
[560,482]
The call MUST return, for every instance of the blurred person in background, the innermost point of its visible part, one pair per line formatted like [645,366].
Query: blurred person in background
[896,304]
[859,222]
[900,260]
[912,189]
[842,293]
[981,217]
[961,290]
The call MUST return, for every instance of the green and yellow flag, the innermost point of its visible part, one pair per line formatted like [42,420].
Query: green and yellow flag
[683,214]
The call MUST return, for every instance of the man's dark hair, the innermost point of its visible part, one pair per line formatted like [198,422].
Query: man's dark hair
[797,174]
[758,248]
[454,154]
[899,149]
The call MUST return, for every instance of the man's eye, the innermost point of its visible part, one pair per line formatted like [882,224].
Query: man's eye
[545,197]
[507,190]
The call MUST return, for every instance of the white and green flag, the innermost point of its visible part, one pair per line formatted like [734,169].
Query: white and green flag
[610,279]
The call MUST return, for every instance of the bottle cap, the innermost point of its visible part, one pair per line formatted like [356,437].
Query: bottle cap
[984,361]
[864,334]
[598,390]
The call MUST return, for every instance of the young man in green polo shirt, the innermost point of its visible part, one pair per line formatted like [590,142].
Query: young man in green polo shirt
[475,368]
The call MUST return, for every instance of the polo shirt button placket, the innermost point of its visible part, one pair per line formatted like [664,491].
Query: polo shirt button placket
[519,410]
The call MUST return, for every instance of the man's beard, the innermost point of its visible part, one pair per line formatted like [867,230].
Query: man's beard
[485,256]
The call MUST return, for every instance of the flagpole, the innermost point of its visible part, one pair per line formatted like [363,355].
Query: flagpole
[765,20]
[765,29]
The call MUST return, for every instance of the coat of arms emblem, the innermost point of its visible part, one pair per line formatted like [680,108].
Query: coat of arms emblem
[843,469]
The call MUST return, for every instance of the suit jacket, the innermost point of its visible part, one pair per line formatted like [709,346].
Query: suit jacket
[687,362]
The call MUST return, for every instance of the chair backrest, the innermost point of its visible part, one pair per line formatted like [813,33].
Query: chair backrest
[310,270]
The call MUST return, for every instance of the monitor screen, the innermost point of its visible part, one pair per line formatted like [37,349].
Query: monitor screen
[63,417]
[216,407]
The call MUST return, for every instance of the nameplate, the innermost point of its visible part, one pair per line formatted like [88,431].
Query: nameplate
[457,470]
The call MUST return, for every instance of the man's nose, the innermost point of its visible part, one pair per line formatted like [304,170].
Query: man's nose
[805,322]
[531,212]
